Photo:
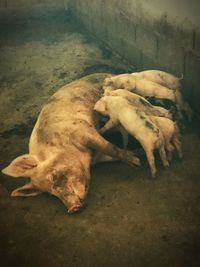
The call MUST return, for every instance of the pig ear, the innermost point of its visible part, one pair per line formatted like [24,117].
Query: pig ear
[28,190]
[23,166]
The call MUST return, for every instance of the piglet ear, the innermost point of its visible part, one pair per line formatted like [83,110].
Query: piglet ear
[22,166]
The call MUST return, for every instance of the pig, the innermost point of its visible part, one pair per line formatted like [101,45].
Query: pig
[161,77]
[137,85]
[171,135]
[136,123]
[62,145]
[141,103]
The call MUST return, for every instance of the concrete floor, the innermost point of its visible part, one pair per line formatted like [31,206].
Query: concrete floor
[129,219]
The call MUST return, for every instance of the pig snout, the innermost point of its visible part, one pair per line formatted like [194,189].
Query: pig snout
[74,209]
[73,203]
[70,189]
[75,200]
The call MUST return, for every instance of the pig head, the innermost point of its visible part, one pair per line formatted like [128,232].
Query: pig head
[63,175]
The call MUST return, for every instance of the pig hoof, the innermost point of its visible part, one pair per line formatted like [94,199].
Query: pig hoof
[137,162]
[74,209]
[14,194]
[181,157]
[166,166]
[153,176]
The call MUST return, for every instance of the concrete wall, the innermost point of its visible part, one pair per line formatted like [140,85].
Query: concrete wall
[150,34]
[10,9]
[28,3]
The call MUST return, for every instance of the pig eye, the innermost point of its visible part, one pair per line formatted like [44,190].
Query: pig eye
[59,179]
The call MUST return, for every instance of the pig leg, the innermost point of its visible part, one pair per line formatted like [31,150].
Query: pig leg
[179,112]
[124,136]
[109,125]
[177,143]
[188,111]
[170,149]
[183,106]
[151,161]
[19,192]
[163,156]
[96,141]
[99,157]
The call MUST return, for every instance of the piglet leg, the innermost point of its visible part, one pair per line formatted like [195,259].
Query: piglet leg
[109,125]
[163,156]
[151,161]
[100,157]
[96,141]
[124,136]
[177,144]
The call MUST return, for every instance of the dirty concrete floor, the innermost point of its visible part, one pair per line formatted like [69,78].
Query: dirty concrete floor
[129,219]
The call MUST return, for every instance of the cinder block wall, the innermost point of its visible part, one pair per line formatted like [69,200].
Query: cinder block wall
[150,34]
[29,3]
[10,9]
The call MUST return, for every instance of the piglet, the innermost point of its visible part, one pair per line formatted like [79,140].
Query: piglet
[136,123]
[171,135]
[141,103]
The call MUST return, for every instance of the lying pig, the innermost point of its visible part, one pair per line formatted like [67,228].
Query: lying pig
[161,77]
[62,143]
[171,135]
[136,123]
[137,85]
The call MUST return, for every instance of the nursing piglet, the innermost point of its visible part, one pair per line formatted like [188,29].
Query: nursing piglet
[171,135]
[140,86]
[141,103]
[136,123]
[160,77]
